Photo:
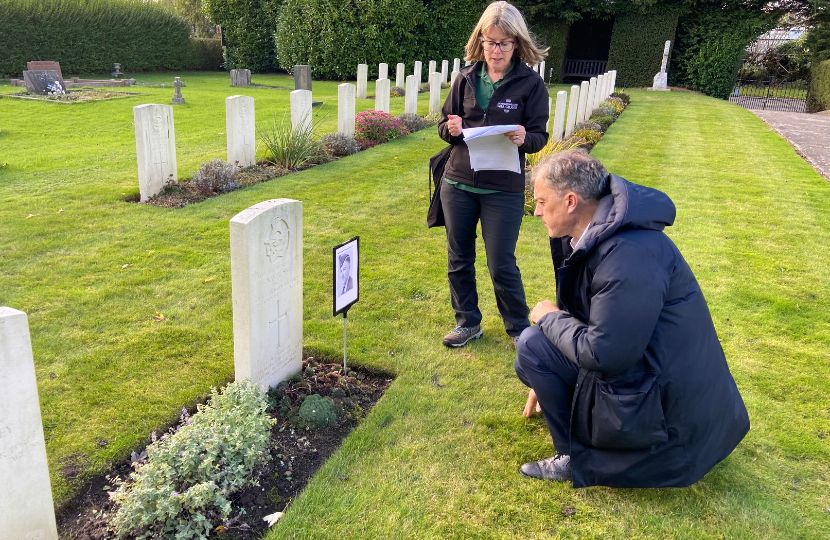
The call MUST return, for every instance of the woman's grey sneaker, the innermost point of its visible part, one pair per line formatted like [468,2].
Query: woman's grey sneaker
[556,468]
[460,335]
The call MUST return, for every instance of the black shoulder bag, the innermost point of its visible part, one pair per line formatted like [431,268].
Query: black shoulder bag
[435,214]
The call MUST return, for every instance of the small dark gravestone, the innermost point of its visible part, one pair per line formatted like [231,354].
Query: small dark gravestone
[302,77]
[45,82]
[241,77]
[177,93]
[45,65]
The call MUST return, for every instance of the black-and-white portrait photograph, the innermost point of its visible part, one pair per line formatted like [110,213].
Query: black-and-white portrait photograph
[346,265]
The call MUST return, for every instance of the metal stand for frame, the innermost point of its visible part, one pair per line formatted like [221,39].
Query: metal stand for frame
[344,343]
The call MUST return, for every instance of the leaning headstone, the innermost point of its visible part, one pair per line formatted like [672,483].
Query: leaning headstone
[416,70]
[445,71]
[573,105]
[241,77]
[362,80]
[383,71]
[302,77]
[410,105]
[456,64]
[400,75]
[26,505]
[453,75]
[267,284]
[177,91]
[43,82]
[435,93]
[661,80]
[155,146]
[584,86]
[345,109]
[559,116]
[382,95]
[301,109]
[240,126]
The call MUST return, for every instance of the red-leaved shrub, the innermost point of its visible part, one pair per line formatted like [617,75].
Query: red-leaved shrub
[375,127]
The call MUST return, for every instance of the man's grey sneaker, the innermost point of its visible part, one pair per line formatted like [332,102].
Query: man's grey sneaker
[460,335]
[556,468]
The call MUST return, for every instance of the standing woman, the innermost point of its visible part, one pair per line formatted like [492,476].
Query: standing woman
[498,88]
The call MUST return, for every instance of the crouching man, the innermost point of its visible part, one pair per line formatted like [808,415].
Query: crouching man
[627,367]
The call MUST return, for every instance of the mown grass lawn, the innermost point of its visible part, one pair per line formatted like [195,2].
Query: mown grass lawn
[438,456]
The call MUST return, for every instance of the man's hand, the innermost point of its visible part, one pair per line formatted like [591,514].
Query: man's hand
[517,136]
[454,125]
[532,406]
[541,309]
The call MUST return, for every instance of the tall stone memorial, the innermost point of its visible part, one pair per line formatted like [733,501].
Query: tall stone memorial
[400,75]
[661,80]
[267,280]
[240,126]
[301,109]
[410,104]
[362,81]
[382,95]
[155,146]
[26,506]
[345,109]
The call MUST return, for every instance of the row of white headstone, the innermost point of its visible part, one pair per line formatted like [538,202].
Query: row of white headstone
[583,100]
[400,74]
[267,286]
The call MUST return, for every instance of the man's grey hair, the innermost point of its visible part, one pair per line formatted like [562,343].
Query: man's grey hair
[574,170]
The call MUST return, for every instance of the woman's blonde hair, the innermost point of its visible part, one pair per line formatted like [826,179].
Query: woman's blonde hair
[509,20]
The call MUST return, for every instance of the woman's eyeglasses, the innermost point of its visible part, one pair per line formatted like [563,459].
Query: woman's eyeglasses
[503,46]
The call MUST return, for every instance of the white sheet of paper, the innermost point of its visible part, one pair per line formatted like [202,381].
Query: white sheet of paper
[490,150]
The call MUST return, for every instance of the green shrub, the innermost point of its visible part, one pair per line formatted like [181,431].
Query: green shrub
[290,148]
[413,122]
[637,42]
[711,45]
[616,104]
[184,489]
[247,28]
[89,36]
[339,145]
[318,411]
[374,127]
[604,121]
[622,96]
[605,109]
[207,54]
[588,124]
[819,95]
[590,136]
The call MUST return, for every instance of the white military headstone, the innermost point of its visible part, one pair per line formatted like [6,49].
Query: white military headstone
[240,126]
[453,76]
[456,64]
[592,93]
[550,114]
[362,80]
[382,95]
[267,279]
[598,91]
[345,109]
[26,506]
[301,109]
[155,146]
[383,71]
[434,93]
[573,106]
[410,105]
[613,81]
[445,71]
[416,70]
[559,116]
[400,75]
[431,69]
[542,70]
[583,101]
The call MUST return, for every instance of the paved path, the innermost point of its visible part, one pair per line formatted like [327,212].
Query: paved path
[808,133]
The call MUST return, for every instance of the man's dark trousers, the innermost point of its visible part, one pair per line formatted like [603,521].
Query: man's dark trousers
[501,218]
[552,376]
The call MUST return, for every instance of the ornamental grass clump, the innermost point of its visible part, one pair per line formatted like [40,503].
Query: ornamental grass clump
[289,147]
[375,127]
[184,489]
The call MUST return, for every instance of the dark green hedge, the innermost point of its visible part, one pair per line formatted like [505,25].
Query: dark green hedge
[247,30]
[88,36]
[553,34]
[711,46]
[819,96]
[335,36]
[637,42]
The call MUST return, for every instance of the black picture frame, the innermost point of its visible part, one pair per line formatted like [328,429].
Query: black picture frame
[345,292]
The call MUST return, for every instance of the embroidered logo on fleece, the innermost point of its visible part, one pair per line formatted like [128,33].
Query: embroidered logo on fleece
[507,105]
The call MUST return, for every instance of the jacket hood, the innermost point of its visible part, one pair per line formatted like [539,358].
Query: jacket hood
[628,206]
